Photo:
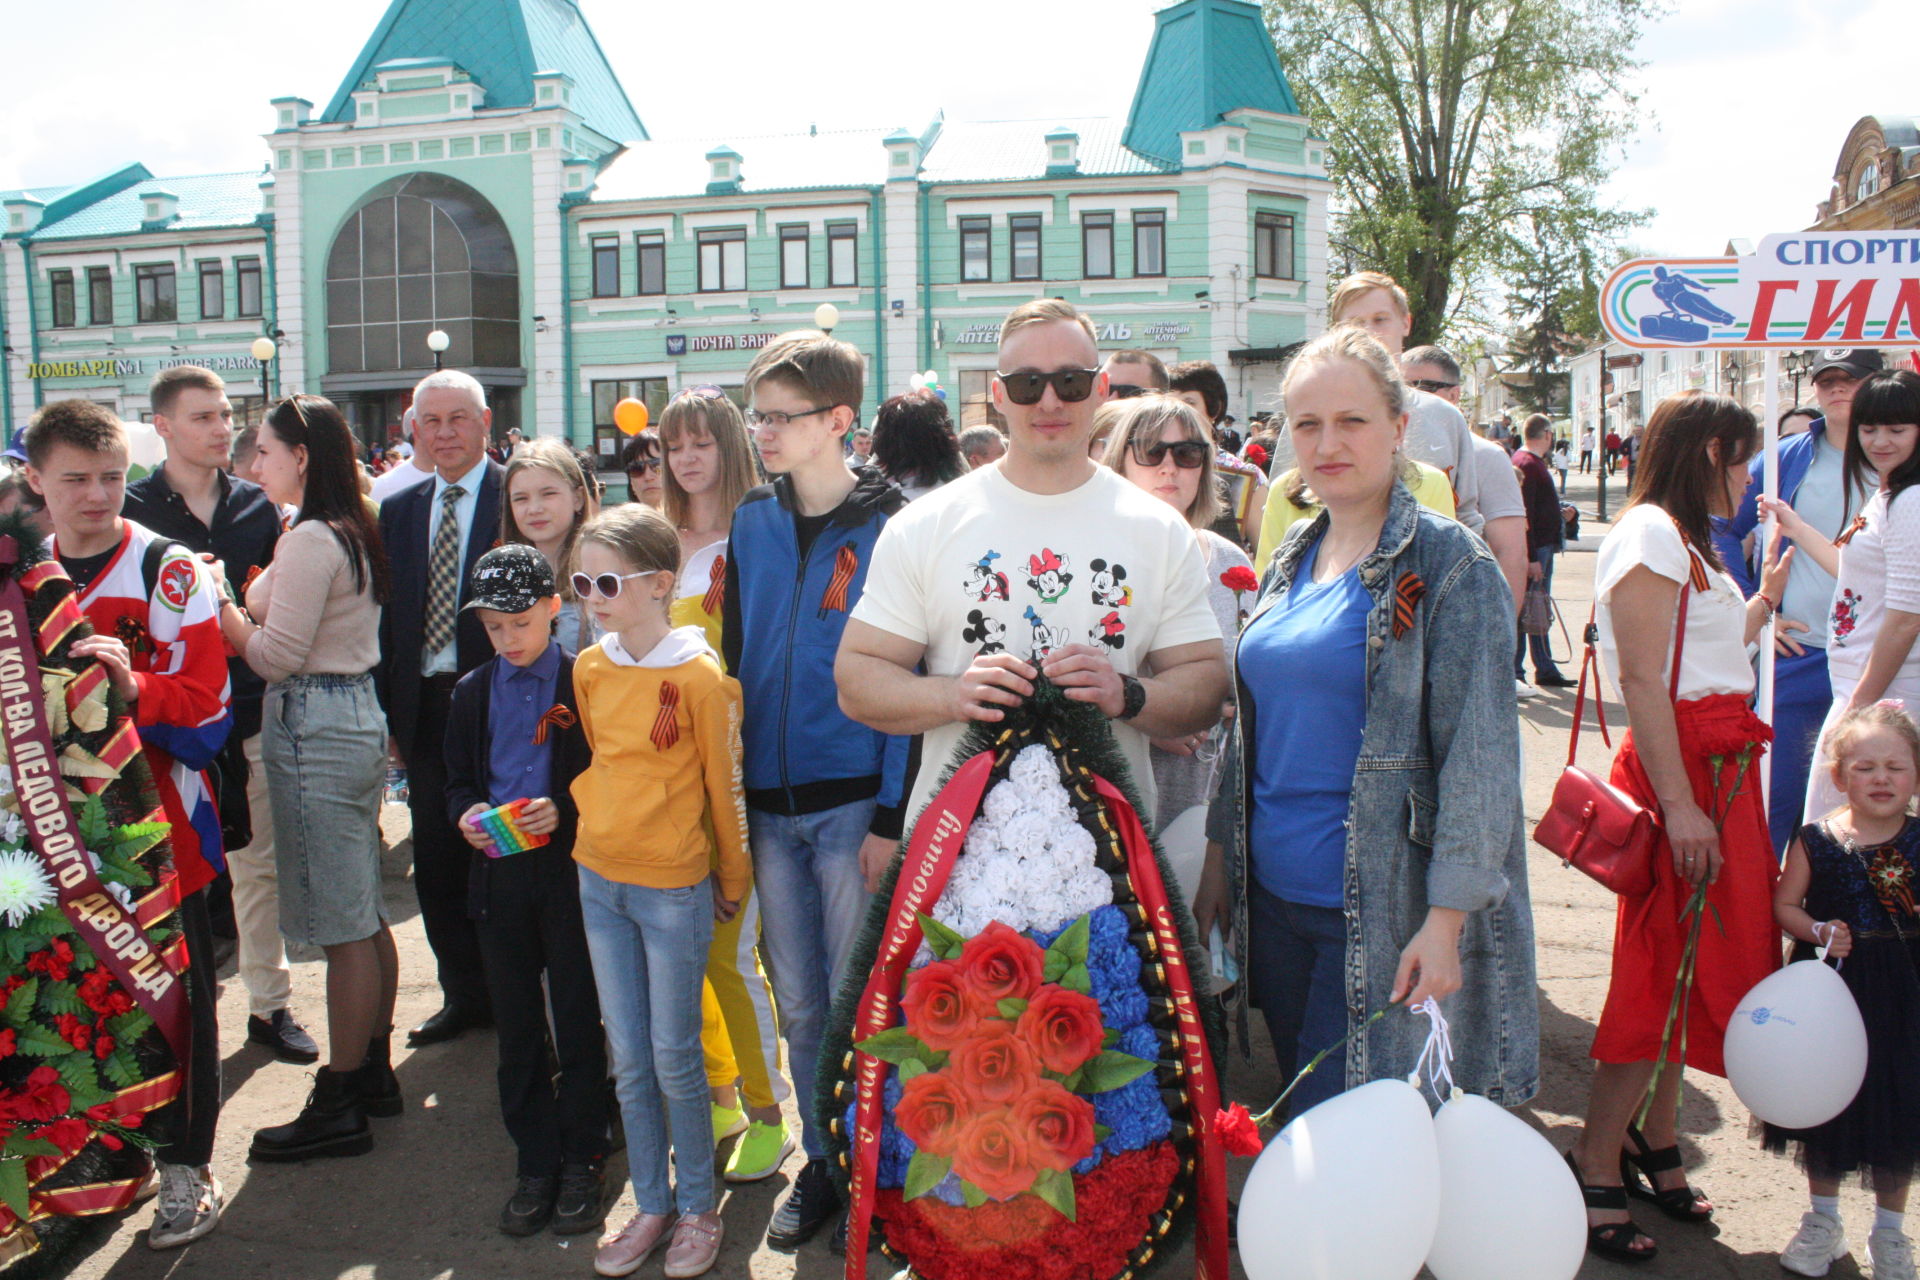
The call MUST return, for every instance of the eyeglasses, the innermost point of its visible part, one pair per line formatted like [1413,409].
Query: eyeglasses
[1071,385]
[1127,391]
[705,391]
[778,420]
[1187,454]
[1432,386]
[643,465]
[608,584]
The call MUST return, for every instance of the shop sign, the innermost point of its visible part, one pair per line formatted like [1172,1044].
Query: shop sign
[679,344]
[1800,289]
[114,368]
[1167,331]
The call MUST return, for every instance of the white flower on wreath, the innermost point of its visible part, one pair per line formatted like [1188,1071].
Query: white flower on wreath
[1027,861]
[24,887]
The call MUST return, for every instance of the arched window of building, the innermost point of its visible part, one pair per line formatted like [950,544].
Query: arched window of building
[1868,184]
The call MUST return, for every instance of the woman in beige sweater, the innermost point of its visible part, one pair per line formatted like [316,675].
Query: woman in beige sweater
[310,627]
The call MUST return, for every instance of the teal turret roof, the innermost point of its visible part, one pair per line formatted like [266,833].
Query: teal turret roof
[502,44]
[1208,57]
[206,201]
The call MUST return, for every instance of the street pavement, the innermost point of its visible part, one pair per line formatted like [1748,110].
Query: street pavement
[423,1205]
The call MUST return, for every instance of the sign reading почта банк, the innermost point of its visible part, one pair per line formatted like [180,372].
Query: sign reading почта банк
[1799,289]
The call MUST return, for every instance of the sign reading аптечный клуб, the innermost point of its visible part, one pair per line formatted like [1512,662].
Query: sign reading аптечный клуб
[1800,289]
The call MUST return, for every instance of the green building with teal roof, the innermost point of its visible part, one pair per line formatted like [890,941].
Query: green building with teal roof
[481,172]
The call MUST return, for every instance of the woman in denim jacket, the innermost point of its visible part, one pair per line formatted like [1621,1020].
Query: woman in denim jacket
[1372,823]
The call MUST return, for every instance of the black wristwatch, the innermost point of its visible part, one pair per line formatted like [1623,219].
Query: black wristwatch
[1133,696]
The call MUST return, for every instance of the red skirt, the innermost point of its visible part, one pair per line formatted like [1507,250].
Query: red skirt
[1739,948]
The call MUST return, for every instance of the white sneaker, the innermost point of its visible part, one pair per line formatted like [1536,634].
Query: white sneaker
[190,1205]
[1815,1246]
[1892,1254]
[1522,689]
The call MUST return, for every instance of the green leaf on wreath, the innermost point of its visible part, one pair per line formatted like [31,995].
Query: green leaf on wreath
[62,997]
[16,945]
[1071,944]
[121,1068]
[1076,979]
[896,1045]
[1111,1070]
[945,942]
[13,1186]
[20,1003]
[83,958]
[1100,1132]
[80,1076]
[925,1172]
[95,830]
[1012,1007]
[124,871]
[973,1195]
[1055,1186]
[131,1025]
[1109,1038]
[19,1144]
[910,1068]
[34,1041]
[135,838]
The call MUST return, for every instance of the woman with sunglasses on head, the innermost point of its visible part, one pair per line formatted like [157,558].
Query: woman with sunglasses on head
[709,469]
[549,497]
[1161,445]
[1372,819]
[645,464]
[311,628]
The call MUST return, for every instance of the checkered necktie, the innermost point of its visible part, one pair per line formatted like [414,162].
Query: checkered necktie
[443,572]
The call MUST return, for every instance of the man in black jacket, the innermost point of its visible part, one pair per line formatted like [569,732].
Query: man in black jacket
[434,532]
[192,500]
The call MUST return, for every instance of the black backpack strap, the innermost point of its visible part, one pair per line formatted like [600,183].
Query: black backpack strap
[155,556]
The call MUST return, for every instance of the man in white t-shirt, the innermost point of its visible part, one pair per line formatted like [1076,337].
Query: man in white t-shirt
[1046,564]
[416,469]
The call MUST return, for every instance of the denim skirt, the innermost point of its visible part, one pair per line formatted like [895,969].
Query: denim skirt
[323,741]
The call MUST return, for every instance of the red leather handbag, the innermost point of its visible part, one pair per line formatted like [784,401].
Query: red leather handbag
[1592,825]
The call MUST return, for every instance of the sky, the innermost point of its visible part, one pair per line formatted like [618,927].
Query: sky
[1745,103]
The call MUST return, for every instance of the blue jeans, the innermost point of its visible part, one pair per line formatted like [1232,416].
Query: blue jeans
[1296,955]
[1802,693]
[813,900]
[649,949]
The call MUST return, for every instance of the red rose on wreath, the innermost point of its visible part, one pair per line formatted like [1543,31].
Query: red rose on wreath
[994,1155]
[941,1008]
[1000,963]
[94,990]
[994,1065]
[932,1112]
[1063,1027]
[1059,1122]
[54,962]
[72,1030]
[103,1047]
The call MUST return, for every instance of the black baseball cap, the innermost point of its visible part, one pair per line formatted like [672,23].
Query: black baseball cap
[1862,362]
[511,579]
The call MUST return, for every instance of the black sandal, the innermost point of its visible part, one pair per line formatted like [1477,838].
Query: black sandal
[1611,1240]
[1679,1203]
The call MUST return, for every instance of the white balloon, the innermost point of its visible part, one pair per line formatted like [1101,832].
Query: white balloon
[1510,1208]
[1348,1191]
[1796,1048]
[917,382]
[1184,843]
[144,446]
[932,377]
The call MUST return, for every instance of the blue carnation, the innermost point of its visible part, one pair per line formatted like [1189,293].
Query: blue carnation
[896,1148]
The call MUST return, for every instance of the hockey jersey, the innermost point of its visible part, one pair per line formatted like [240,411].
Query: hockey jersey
[179,660]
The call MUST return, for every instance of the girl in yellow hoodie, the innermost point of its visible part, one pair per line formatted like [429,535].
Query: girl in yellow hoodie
[662,848]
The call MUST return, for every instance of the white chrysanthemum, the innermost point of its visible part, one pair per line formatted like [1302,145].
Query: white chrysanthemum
[24,887]
[12,830]
[1027,861]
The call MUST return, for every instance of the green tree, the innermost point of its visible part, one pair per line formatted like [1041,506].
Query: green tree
[1461,127]
[1553,308]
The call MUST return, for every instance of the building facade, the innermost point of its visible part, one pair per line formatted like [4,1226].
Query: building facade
[489,179]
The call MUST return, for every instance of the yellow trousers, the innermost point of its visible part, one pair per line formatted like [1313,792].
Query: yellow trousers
[738,1034]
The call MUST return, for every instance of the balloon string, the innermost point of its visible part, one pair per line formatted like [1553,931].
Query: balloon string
[1266,1117]
[1822,947]
[1436,1056]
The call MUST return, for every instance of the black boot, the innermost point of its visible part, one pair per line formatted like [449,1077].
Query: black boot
[378,1087]
[331,1124]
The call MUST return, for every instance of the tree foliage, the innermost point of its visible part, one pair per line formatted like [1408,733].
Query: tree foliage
[1469,138]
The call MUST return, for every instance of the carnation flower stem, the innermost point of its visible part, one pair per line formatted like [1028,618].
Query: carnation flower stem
[1266,1117]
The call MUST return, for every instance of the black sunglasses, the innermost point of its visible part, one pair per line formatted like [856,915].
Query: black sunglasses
[1071,385]
[1127,391]
[1187,454]
[1432,386]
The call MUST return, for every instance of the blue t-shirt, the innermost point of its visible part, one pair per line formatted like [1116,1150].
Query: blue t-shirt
[1304,659]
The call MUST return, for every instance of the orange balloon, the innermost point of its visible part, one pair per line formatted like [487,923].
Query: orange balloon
[630,416]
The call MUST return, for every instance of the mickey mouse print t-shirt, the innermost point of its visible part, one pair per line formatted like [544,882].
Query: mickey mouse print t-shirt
[983,566]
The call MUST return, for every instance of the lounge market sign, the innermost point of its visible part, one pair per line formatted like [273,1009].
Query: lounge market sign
[1800,289]
[115,368]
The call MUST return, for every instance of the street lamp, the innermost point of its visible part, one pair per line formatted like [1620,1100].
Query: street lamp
[825,316]
[264,350]
[1797,363]
[1730,375]
[438,342]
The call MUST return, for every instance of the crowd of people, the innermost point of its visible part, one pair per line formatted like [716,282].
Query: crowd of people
[659,753]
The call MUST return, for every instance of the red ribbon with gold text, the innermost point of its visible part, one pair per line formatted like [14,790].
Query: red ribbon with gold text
[1203,1087]
[937,838]
[116,936]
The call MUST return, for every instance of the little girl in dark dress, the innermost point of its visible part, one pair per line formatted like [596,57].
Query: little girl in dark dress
[1849,884]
